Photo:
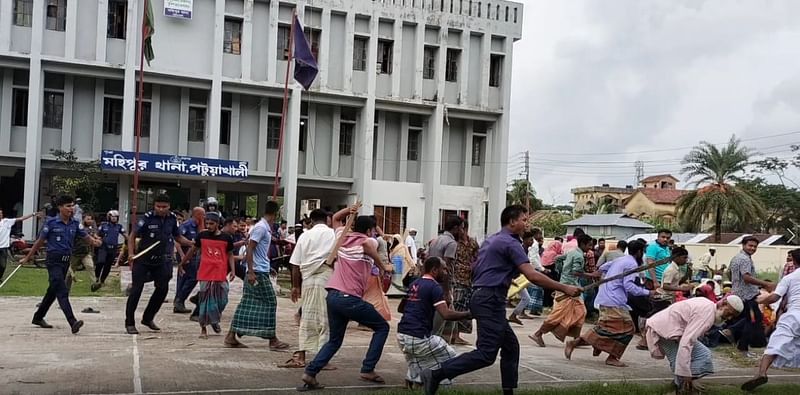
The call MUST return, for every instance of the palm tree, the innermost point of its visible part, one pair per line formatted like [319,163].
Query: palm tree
[517,194]
[714,173]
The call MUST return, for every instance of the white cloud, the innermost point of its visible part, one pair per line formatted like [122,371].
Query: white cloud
[598,77]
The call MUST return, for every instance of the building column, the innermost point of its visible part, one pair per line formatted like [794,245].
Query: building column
[496,165]
[124,196]
[380,142]
[72,29]
[102,29]
[155,115]
[325,45]
[183,123]
[468,154]
[211,190]
[215,96]
[7,9]
[463,68]
[66,124]
[263,110]
[272,53]
[236,108]
[365,139]
[248,41]
[397,54]
[130,87]
[311,140]
[336,135]
[5,111]
[97,124]
[350,31]
[33,138]
[486,46]
[432,171]
[403,173]
[419,56]
[291,156]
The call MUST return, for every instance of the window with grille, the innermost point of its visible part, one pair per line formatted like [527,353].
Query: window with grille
[385,51]
[283,42]
[117,17]
[360,45]
[145,117]
[429,63]
[273,132]
[392,220]
[495,70]
[232,43]
[197,124]
[53,111]
[23,12]
[56,15]
[112,116]
[413,143]
[313,37]
[477,150]
[451,70]
[346,130]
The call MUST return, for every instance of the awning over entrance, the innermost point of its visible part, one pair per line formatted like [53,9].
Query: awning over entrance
[174,165]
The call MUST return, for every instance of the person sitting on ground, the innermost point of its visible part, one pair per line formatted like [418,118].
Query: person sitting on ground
[421,348]
[674,333]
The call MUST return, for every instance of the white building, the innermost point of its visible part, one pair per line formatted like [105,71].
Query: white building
[409,112]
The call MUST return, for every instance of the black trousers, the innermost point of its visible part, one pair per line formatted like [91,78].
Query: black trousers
[3,261]
[57,290]
[160,275]
[105,259]
[494,335]
[748,328]
[547,300]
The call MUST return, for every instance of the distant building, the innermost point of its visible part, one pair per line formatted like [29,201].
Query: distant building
[652,203]
[588,199]
[609,226]
[661,181]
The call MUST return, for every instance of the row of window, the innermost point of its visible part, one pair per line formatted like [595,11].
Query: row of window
[56,15]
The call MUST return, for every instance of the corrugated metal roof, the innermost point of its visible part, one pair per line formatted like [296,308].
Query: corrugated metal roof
[608,220]
[680,238]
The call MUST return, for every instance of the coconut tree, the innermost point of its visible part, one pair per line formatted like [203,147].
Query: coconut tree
[713,172]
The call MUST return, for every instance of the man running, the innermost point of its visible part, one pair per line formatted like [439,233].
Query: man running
[109,232]
[256,314]
[187,280]
[60,233]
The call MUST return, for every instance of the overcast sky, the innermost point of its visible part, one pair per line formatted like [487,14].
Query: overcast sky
[598,81]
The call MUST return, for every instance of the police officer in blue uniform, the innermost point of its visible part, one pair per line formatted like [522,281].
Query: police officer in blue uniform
[158,230]
[109,232]
[60,233]
[188,279]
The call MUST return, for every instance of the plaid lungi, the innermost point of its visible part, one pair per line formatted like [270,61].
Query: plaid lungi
[701,364]
[537,298]
[256,313]
[461,296]
[613,332]
[423,353]
[567,317]
[213,297]
[313,332]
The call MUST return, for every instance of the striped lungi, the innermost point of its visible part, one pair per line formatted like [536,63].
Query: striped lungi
[423,353]
[701,364]
[461,296]
[537,298]
[255,315]
[213,297]
[567,317]
[313,332]
[613,332]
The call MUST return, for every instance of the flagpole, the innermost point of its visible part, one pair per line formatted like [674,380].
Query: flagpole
[138,139]
[285,108]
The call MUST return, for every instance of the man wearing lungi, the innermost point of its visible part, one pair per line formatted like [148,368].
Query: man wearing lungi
[422,348]
[501,259]
[673,333]
[461,282]
[783,349]
[60,233]
[614,329]
[256,314]
[568,315]
[311,272]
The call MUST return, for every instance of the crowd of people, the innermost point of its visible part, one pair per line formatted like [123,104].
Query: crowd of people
[342,265]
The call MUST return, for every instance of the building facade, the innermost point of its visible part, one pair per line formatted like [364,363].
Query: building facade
[409,112]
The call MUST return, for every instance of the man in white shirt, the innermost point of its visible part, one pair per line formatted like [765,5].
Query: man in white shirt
[412,244]
[5,238]
[310,275]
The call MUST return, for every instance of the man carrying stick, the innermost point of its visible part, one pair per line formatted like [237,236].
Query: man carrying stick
[614,329]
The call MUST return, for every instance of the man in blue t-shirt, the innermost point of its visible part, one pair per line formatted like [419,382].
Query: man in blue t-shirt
[422,349]
[657,251]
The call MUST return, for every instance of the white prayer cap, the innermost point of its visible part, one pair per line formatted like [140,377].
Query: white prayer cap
[735,302]
[717,277]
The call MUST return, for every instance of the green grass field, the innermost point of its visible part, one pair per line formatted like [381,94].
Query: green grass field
[30,281]
[616,389]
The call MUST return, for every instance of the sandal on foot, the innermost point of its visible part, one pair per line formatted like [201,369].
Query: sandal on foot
[377,379]
[234,345]
[292,364]
[309,387]
[279,346]
[754,383]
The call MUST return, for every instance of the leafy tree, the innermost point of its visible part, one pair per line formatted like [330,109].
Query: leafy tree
[517,192]
[714,172]
[550,222]
[781,204]
[76,178]
[658,223]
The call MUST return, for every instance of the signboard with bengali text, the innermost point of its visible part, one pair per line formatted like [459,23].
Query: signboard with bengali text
[176,165]
[178,8]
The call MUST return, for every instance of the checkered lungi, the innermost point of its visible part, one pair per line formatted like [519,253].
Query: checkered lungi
[701,364]
[461,296]
[213,297]
[421,354]
[256,313]
[613,332]
[537,298]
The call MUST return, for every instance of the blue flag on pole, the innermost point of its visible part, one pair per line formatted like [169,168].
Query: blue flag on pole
[305,66]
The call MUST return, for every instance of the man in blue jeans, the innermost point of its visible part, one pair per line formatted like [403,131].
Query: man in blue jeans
[60,233]
[501,258]
[355,258]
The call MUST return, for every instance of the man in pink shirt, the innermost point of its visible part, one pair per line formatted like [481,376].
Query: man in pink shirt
[673,333]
